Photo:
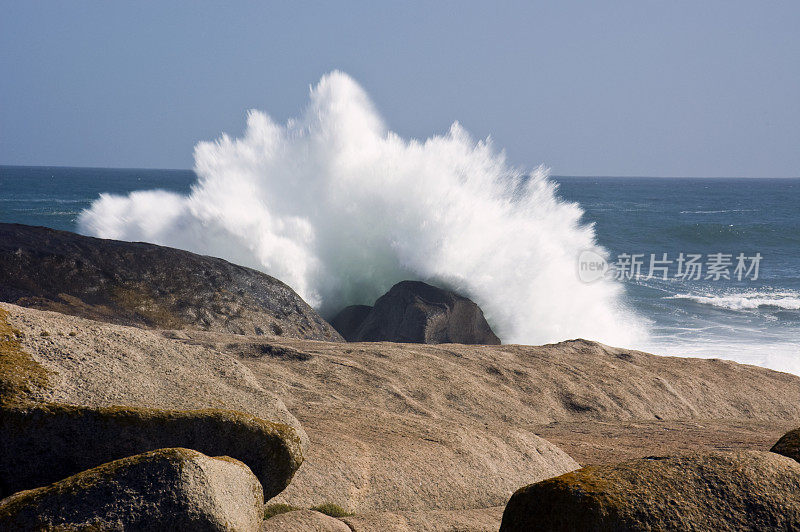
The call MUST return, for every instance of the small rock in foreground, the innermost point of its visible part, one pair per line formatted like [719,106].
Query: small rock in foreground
[749,490]
[167,489]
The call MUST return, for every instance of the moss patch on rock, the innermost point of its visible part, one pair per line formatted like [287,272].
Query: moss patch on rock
[20,374]
[271,510]
[752,490]
[331,509]
[136,300]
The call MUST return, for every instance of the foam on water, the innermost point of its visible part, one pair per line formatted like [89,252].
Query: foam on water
[340,208]
[788,300]
[777,355]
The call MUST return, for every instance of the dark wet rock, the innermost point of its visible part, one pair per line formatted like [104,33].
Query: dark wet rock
[349,321]
[133,283]
[749,490]
[416,312]
[43,443]
[165,489]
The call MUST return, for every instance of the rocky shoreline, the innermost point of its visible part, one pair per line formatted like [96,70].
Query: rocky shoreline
[114,420]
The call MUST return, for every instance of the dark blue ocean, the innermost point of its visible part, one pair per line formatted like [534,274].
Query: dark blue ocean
[755,319]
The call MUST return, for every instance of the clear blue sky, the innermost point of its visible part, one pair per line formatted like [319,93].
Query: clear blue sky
[696,88]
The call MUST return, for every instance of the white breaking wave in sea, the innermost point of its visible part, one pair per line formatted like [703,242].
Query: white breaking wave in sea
[774,354]
[787,300]
[341,208]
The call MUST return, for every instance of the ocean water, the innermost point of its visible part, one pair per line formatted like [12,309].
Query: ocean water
[55,196]
[753,321]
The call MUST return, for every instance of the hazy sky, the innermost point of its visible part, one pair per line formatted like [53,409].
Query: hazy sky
[673,88]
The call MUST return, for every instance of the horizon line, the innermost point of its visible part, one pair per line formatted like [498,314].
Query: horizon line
[568,176]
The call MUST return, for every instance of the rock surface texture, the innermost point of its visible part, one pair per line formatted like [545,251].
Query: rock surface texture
[753,490]
[400,433]
[374,458]
[415,312]
[134,283]
[72,402]
[442,427]
[68,360]
[166,489]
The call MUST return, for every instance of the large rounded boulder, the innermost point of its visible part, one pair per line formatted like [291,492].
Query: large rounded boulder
[134,283]
[749,490]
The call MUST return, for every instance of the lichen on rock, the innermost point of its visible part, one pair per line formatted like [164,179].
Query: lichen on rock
[748,490]
[20,374]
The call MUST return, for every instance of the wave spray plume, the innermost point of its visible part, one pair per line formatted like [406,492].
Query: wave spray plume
[340,208]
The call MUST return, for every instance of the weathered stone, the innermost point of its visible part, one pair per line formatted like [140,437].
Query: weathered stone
[752,490]
[454,425]
[56,358]
[133,283]
[167,489]
[43,443]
